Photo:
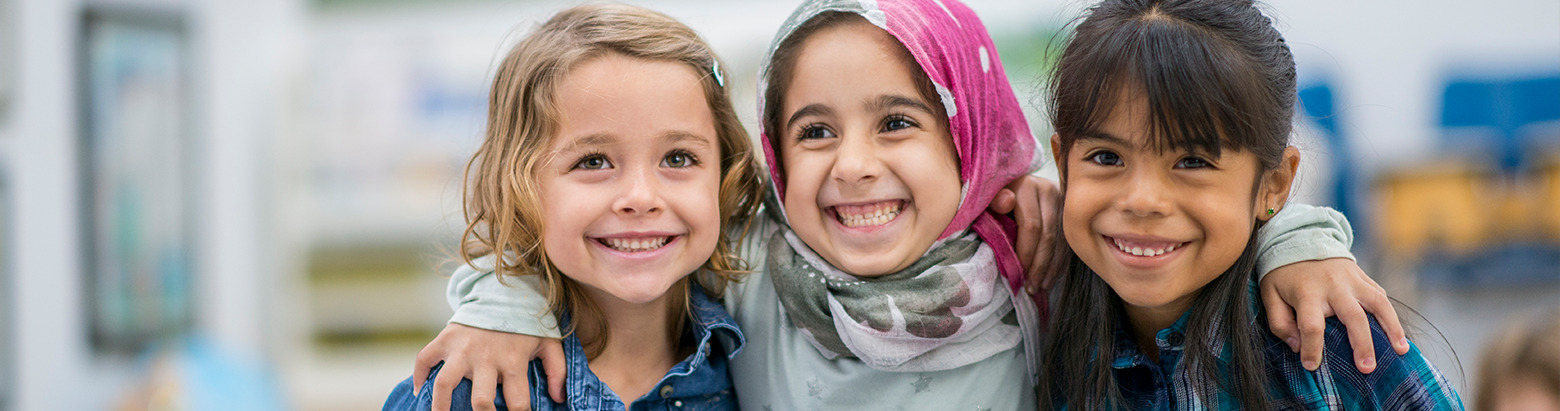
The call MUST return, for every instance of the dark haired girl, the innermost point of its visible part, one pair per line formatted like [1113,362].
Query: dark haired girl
[1172,121]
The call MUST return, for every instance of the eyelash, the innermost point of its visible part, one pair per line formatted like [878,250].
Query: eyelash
[693,160]
[1094,157]
[1204,161]
[896,118]
[802,135]
[580,164]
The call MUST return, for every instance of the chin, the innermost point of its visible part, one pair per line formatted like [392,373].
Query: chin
[868,264]
[1144,299]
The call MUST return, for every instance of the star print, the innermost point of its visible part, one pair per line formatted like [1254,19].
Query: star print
[815,388]
[922,384]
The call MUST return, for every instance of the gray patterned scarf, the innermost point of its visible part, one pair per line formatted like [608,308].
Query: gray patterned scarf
[948,309]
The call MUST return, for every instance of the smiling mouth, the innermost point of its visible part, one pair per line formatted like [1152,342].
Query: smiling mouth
[636,244]
[1144,249]
[868,215]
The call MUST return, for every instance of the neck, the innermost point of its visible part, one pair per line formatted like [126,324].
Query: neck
[1146,322]
[640,347]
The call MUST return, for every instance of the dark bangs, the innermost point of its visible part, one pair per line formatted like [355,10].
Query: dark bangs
[1204,92]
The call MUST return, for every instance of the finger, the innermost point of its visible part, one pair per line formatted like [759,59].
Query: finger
[1312,318]
[484,386]
[1357,324]
[1026,246]
[1386,315]
[1281,318]
[516,393]
[426,359]
[1003,203]
[551,353]
[444,384]
[1040,276]
[1050,211]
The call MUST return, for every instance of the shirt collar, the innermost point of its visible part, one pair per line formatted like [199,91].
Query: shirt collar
[1168,339]
[708,320]
[1174,337]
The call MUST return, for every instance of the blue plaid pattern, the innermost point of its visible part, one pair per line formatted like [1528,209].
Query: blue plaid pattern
[1400,382]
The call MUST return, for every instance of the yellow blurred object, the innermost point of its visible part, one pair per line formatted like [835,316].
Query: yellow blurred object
[1549,201]
[1447,205]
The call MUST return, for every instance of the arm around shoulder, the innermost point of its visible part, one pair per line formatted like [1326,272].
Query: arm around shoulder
[1302,232]
[515,305]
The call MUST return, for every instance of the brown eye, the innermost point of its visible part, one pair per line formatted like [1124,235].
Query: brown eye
[814,131]
[679,159]
[1193,162]
[898,123]
[593,162]
[1104,158]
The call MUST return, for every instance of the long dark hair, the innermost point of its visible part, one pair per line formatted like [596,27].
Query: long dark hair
[1215,74]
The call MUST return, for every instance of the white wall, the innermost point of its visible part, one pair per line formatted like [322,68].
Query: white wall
[241,53]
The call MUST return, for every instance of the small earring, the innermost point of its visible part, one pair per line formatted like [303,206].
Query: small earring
[1271,212]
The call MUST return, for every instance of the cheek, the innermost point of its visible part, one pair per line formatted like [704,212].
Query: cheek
[802,179]
[1075,221]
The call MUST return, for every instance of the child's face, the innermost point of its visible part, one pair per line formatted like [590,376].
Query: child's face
[629,195]
[1156,226]
[871,174]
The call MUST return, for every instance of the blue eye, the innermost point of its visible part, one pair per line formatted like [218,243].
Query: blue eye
[679,159]
[1193,162]
[593,162]
[898,122]
[1105,158]
[814,131]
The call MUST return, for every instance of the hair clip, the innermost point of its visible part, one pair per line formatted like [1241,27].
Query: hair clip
[720,79]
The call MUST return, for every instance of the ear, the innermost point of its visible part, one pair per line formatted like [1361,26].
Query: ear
[1059,157]
[1276,184]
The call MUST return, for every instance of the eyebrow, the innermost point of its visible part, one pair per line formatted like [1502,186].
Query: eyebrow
[880,103]
[891,101]
[678,136]
[598,139]
[1103,136]
[809,110]
[604,139]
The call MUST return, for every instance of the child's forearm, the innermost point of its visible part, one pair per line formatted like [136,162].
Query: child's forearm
[480,300]
[1302,232]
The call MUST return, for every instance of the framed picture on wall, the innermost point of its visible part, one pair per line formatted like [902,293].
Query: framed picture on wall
[7,331]
[138,175]
[9,34]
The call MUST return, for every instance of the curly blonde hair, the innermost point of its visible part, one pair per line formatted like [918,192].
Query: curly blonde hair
[502,204]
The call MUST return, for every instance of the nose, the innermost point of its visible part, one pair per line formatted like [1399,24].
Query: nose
[856,161]
[1146,195]
[640,194]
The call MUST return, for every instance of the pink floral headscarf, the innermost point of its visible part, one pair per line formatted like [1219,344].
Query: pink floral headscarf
[994,143]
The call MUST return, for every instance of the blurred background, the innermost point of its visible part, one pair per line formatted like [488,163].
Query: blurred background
[252,204]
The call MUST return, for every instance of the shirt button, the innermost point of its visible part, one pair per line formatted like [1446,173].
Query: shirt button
[677,404]
[1176,339]
[666,391]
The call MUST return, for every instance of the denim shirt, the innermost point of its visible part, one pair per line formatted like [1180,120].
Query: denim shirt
[1399,382]
[699,382]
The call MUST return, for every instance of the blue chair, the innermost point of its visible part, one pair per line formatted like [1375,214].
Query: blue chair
[1319,105]
[1494,113]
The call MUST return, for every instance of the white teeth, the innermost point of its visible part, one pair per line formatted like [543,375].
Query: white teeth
[1139,251]
[881,215]
[635,244]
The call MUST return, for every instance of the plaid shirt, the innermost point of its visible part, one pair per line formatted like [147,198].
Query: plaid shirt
[1400,382]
